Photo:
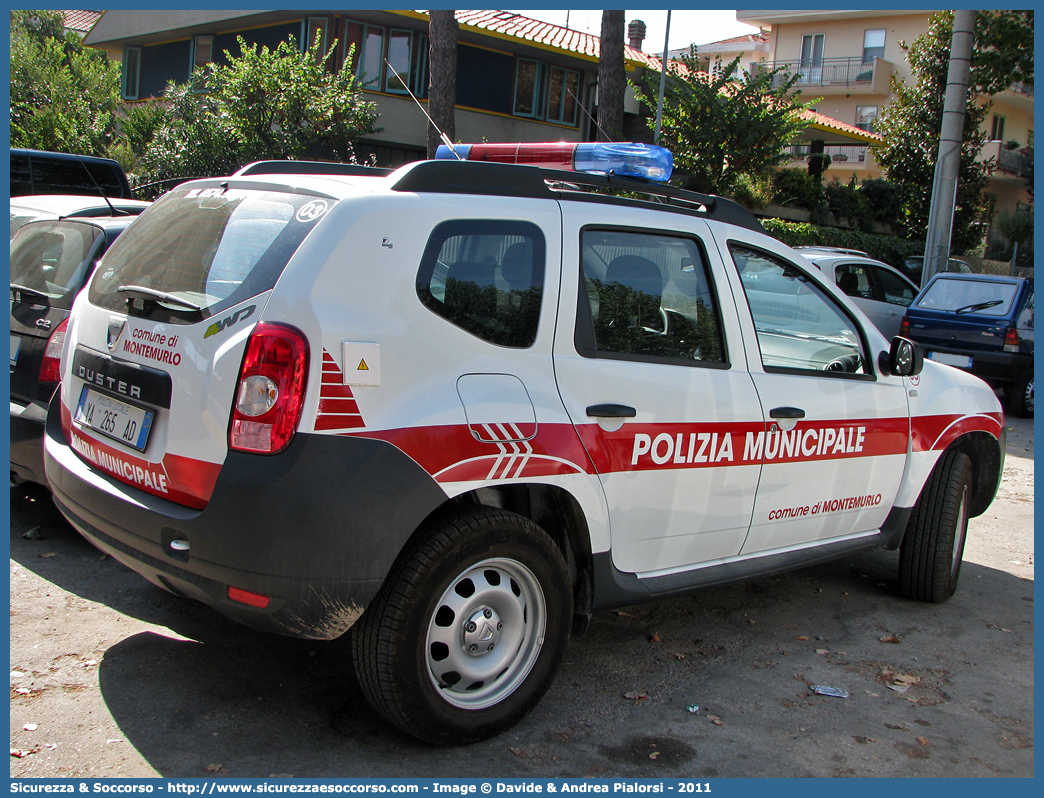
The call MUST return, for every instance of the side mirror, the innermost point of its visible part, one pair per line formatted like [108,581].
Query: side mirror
[903,360]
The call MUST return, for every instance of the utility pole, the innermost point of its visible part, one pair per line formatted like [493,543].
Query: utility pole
[948,162]
[663,79]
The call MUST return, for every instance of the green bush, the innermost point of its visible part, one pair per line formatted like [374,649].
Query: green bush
[847,202]
[884,201]
[890,249]
[797,189]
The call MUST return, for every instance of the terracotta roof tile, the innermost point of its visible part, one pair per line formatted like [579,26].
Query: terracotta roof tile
[81,21]
[825,121]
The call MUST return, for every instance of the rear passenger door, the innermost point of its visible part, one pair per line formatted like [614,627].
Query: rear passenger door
[649,364]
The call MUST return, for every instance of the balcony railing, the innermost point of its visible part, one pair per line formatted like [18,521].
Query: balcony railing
[826,71]
[1016,162]
[839,154]
[1025,89]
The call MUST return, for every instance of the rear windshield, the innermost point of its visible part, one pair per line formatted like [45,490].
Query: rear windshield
[210,247]
[53,260]
[981,297]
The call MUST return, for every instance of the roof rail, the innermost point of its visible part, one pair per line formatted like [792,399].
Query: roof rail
[510,180]
[311,168]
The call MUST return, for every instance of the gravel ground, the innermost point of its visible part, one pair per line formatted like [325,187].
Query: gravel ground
[112,677]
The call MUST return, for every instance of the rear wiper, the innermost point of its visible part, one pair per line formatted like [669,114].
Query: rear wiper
[143,294]
[25,291]
[980,306]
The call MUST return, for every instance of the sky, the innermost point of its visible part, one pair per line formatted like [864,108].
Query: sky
[687,27]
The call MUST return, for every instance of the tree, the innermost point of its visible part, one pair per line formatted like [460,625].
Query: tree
[910,125]
[63,95]
[263,104]
[726,123]
[612,79]
[442,81]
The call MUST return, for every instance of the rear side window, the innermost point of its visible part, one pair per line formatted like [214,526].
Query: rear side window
[70,176]
[53,259]
[982,297]
[486,277]
[648,297]
[211,247]
[21,179]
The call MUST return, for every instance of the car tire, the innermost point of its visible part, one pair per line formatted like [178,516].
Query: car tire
[1020,396]
[933,547]
[469,628]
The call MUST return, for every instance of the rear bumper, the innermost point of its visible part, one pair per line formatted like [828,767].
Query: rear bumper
[997,368]
[27,433]
[315,529]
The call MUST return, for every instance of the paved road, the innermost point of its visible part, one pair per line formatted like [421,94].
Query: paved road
[122,679]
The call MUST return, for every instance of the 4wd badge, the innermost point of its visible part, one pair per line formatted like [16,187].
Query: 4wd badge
[227,322]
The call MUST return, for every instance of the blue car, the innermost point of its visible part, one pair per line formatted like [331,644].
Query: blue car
[981,323]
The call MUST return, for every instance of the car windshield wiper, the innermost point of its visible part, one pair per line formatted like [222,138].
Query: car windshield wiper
[25,291]
[980,306]
[144,294]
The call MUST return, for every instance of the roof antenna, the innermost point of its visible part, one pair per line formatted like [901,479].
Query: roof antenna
[97,185]
[443,136]
[593,120]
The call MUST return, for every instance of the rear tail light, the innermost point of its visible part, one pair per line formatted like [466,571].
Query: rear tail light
[1011,340]
[270,393]
[904,327]
[51,367]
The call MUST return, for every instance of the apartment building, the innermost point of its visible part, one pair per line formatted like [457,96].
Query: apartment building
[847,60]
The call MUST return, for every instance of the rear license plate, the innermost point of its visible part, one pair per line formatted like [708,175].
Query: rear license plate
[16,342]
[961,361]
[114,418]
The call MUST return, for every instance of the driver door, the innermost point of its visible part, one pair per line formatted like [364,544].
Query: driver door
[836,443]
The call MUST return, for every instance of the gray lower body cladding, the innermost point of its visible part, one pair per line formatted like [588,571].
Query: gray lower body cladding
[315,528]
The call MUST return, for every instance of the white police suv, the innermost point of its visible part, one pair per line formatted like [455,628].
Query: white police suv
[458,407]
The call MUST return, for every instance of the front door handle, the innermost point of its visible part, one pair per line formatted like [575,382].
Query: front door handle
[786,412]
[611,411]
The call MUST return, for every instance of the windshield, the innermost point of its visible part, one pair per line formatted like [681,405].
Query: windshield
[53,260]
[982,297]
[207,248]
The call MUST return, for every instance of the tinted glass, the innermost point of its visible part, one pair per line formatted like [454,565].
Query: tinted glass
[21,179]
[54,259]
[799,326]
[485,277]
[891,288]
[968,296]
[210,247]
[650,295]
[65,176]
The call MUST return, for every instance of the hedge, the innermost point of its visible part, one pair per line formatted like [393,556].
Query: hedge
[890,249]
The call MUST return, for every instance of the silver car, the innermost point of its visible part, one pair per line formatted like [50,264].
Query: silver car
[880,291]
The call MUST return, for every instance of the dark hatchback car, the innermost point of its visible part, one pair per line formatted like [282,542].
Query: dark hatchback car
[50,262]
[981,323]
[40,172]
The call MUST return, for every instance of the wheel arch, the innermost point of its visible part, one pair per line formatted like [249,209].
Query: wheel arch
[555,510]
[987,457]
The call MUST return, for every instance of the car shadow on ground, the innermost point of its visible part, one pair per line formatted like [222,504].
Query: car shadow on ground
[252,705]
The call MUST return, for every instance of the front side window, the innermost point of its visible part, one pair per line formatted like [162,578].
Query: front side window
[854,280]
[800,329]
[486,277]
[892,288]
[648,296]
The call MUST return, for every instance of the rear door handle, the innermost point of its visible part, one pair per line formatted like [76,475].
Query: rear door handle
[611,411]
[786,412]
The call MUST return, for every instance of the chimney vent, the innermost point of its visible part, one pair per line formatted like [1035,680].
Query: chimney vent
[636,33]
